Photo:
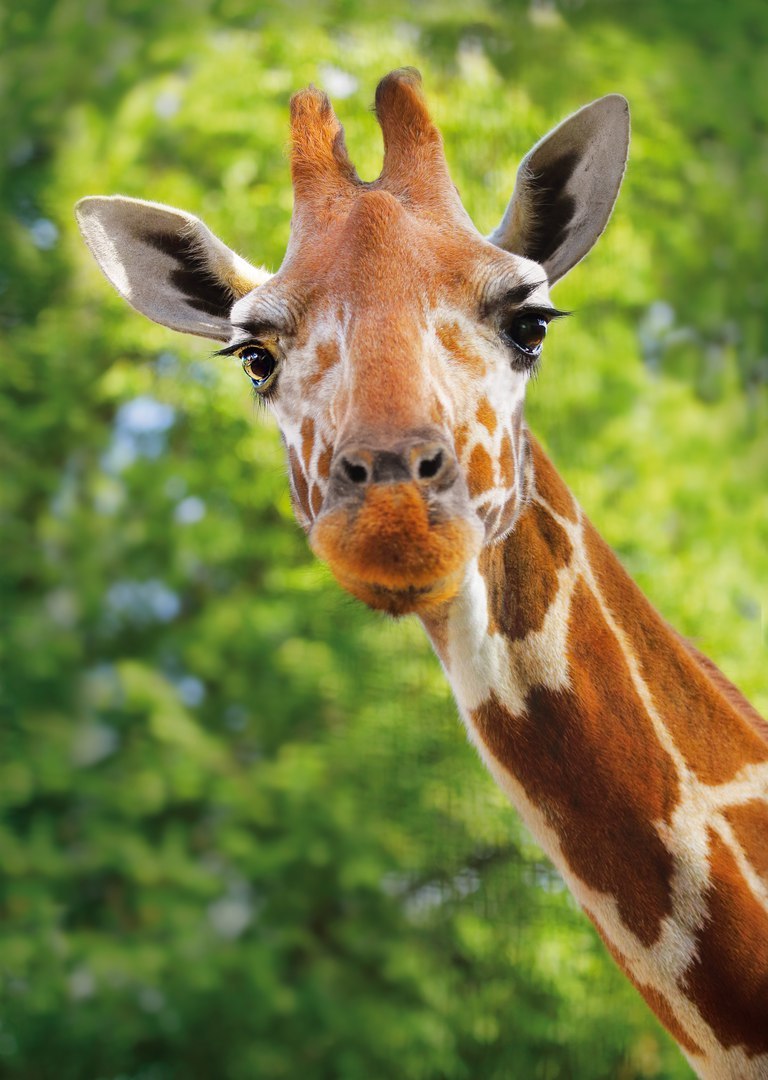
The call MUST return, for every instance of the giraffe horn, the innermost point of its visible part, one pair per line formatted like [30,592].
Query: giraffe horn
[414,161]
[320,164]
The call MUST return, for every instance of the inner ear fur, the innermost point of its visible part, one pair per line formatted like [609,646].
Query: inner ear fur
[566,188]
[166,263]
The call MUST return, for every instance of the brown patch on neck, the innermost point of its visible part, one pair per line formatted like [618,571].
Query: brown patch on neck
[712,734]
[728,979]
[730,692]
[749,822]
[521,572]
[589,758]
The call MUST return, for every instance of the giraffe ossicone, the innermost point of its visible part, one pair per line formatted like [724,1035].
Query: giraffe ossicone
[394,345]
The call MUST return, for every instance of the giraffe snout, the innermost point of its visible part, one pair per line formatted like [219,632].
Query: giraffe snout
[396,526]
[424,460]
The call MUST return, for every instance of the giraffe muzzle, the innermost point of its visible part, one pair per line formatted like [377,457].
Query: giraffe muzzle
[396,527]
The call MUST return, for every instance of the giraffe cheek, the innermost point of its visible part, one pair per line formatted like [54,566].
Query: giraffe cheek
[300,495]
[480,472]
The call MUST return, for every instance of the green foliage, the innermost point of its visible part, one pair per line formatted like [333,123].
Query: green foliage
[241,832]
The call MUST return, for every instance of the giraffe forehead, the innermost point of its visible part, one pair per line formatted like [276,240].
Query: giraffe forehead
[371,258]
[363,242]
[373,243]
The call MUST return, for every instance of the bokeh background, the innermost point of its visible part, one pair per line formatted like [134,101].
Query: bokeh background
[241,832]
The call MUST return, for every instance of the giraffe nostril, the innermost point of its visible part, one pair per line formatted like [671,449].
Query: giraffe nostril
[355,472]
[429,467]
[413,459]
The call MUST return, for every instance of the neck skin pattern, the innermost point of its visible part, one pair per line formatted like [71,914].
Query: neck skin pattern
[639,769]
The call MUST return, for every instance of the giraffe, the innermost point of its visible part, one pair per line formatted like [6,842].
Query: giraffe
[394,346]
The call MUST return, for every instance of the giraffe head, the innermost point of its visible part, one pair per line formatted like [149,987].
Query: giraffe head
[394,344]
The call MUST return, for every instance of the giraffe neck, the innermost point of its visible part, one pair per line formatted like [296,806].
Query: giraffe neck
[640,771]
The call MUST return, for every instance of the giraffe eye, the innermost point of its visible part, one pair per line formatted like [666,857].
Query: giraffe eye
[527,333]
[258,364]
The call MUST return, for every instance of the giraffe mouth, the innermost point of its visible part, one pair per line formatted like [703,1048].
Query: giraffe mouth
[394,551]
[407,601]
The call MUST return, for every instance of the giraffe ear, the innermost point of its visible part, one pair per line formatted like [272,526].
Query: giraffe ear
[166,263]
[566,188]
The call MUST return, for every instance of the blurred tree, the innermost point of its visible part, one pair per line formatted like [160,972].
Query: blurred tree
[241,833]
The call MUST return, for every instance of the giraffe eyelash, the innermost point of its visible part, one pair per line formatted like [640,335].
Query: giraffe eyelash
[542,312]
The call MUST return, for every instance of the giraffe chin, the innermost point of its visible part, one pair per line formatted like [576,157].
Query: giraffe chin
[408,601]
[387,552]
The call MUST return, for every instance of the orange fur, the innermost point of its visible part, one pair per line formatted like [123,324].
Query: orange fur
[728,978]
[479,471]
[589,758]
[486,415]
[414,163]
[403,274]
[320,165]
[324,462]
[456,344]
[639,765]
[749,822]
[657,1001]
[299,485]
[507,462]
[696,710]
[390,551]
[307,442]
[327,356]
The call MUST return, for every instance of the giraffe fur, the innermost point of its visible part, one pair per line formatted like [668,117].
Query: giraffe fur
[398,343]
